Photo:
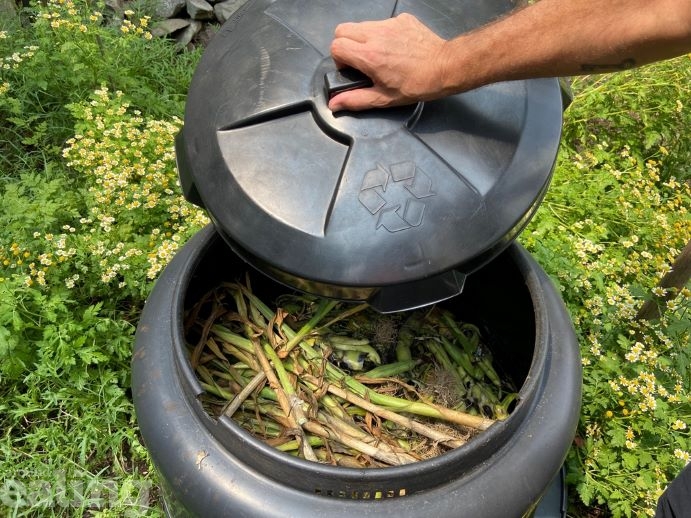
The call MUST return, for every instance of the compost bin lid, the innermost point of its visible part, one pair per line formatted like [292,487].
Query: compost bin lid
[393,206]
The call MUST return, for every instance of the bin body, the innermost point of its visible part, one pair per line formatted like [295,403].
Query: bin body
[213,467]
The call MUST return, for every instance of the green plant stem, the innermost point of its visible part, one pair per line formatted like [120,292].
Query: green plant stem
[342,316]
[390,370]
[406,335]
[399,404]
[245,344]
[406,422]
[294,444]
[447,318]
[325,306]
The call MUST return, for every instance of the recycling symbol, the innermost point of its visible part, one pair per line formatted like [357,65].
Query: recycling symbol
[395,194]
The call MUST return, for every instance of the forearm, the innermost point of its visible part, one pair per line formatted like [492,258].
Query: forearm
[408,62]
[568,37]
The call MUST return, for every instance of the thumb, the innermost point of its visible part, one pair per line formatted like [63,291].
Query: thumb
[359,99]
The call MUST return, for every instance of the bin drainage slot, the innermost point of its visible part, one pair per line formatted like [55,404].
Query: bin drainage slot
[368,494]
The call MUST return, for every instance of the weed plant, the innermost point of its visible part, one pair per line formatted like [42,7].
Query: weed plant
[91,212]
[614,220]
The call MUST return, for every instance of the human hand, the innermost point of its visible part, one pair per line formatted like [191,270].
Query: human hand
[404,59]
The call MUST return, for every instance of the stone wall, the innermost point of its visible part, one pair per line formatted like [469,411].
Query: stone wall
[192,22]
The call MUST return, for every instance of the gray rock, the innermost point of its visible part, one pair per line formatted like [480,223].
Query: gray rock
[8,7]
[225,10]
[206,34]
[200,10]
[166,27]
[118,6]
[184,37]
[168,8]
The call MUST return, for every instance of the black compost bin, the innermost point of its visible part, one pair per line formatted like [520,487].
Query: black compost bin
[211,467]
[402,208]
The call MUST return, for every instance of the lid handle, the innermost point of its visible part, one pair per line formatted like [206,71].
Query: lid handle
[343,79]
[419,293]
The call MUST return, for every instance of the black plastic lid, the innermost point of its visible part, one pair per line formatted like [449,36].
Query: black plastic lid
[391,206]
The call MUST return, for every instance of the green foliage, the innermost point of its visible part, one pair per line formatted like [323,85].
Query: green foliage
[75,265]
[71,49]
[615,218]
[38,200]
[66,416]
[643,109]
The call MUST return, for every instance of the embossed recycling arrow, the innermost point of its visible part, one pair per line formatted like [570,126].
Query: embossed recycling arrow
[394,194]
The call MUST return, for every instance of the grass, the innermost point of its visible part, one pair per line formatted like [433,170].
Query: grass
[92,212]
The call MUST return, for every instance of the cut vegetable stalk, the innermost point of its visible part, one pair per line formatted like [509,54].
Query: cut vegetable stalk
[390,369]
[393,459]
[411,424]
[325,305]
[447,318]
[287,398]
[404,405]
[239,399]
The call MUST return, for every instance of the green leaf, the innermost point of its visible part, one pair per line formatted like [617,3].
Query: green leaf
[585,491]
[645,458]
[630,460]
[652,138]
